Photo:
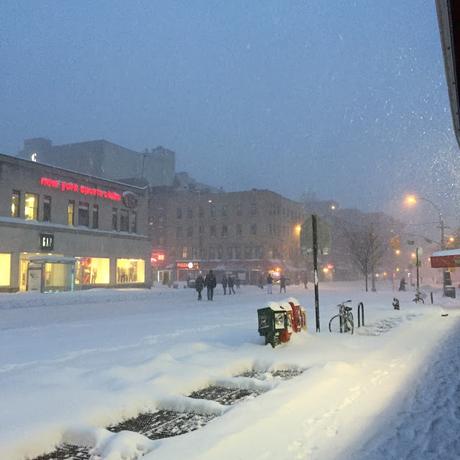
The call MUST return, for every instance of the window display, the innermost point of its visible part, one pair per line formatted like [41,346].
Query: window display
[92,270]
[130,271]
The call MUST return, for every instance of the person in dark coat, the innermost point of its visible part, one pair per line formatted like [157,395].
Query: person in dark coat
[282,283]
[199,285]
[402,284]
[269,283]
[231,283]
[210,282]
[224,284]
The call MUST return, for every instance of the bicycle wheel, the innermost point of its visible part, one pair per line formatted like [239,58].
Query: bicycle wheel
[335,324]
[349,323]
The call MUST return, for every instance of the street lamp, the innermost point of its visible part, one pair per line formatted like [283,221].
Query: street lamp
[411,200]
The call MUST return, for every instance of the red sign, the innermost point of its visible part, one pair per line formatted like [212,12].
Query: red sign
[64,186]
[188,265]
[157,258]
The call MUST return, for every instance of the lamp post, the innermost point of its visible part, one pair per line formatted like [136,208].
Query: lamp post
[412,200]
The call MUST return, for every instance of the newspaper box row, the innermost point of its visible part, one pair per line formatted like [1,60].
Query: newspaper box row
[277,321]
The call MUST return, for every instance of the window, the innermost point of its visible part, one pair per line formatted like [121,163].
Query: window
[230,253]
[179,232]
[220,252]
[248,252]
[239,211]
[253,229]
[47,208]
[212,253]
[92,270]
[253,209]
[179,213]
[239,229]
[212,230]
[133,222]
[130,271]
[189,231]
[95,216]
[83,214]
[71,213]
[114,219]
[224,231]
[15,203]
[184,252]
[31,206]
[237,252]
[5,272]
[124,220]
[200,211]
[189,213]
[200,229]
[224,211]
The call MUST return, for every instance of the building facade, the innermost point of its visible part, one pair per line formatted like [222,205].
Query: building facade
[62,230]
[246,233]
[102,158]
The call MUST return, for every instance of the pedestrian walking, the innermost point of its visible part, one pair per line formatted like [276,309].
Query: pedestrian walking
[282,283]
[231,284]
[237,282]
[199,285]
[224,284]
[269,283]
[210,282]
[261,281]
[305,281]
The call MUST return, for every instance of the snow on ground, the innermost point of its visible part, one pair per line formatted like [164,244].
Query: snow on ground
[74,363]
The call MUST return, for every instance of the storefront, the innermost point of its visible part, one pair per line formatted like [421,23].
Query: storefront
[62,230]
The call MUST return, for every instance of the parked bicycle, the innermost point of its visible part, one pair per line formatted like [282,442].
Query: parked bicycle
[343,321]
[419,297]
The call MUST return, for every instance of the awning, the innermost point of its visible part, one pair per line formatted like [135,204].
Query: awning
[445,259]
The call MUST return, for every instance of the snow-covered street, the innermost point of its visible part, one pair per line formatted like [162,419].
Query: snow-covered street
[72,364]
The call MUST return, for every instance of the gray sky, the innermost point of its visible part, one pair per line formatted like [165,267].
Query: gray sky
[345,98]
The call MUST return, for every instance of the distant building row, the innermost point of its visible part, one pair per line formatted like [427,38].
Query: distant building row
[98,214]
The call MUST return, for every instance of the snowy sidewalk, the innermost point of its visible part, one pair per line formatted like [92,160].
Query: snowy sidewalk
[426,423]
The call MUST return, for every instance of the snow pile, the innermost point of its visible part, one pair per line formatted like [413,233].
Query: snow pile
[96,359]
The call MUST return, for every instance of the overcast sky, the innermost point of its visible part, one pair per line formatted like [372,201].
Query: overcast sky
[344,98]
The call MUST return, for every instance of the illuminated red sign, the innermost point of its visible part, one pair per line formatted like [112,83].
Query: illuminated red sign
[188,265]
[64,186]
[157,258]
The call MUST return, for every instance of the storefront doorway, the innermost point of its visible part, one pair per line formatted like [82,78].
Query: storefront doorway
[47,273]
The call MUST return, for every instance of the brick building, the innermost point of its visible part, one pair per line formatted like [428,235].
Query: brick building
[246,233]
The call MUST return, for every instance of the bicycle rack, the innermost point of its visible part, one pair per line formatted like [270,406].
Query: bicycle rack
[360,314]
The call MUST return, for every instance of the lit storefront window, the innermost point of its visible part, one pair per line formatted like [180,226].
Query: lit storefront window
[31,206]
[5,272]
[57,277]
[15,203]
[130,271]
[92,270]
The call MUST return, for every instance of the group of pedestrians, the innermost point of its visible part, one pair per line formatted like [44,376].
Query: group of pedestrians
[210,282]
[269,281]
[230,283]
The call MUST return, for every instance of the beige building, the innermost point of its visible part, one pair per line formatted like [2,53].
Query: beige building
[62,230]
[247,233]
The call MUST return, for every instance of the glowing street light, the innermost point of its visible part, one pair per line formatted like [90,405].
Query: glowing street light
[398,252]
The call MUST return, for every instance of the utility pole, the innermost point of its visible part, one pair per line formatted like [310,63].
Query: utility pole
[314,223]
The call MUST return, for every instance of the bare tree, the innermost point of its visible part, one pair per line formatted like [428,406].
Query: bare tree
[367,249]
